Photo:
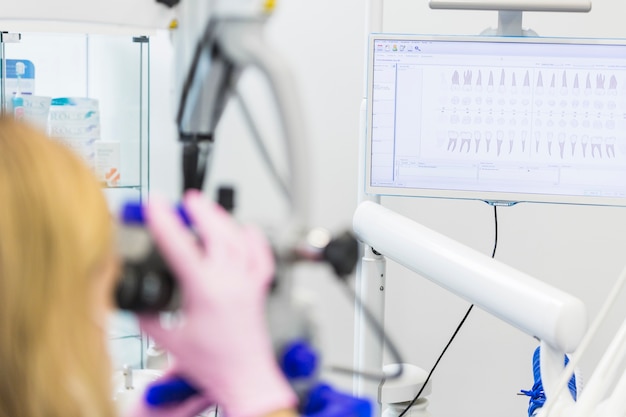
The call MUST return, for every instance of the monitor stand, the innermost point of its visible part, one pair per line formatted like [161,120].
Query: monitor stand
[510,11]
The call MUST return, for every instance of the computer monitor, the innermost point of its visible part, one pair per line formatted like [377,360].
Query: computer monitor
[497,119]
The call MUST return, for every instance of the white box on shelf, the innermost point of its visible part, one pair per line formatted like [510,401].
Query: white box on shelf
[37,110]
[108,162]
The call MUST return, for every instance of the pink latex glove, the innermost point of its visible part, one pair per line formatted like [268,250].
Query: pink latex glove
[222,345]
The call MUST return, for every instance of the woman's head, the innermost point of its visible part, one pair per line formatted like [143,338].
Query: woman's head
[56,253]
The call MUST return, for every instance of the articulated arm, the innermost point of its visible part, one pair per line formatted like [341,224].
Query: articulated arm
[557,318]
[529,304]
[538,309]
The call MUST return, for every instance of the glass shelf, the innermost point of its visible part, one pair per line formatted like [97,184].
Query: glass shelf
[123,186]
[90,92]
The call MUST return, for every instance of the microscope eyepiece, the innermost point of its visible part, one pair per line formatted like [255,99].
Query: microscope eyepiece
[146,284]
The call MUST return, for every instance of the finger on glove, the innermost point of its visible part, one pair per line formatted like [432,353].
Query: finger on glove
[165,337]
[261,258]
[177,245]
[219,232]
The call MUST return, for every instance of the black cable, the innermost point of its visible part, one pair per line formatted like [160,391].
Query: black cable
[495,241]
[469,310]
[458,327]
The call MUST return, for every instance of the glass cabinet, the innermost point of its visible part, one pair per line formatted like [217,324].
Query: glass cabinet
[92,93]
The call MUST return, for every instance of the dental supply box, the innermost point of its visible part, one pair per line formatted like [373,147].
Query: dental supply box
[108,162]
[76,123]
[37,110]
[20,77]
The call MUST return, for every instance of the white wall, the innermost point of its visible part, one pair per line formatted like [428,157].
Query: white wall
[578,249]
[323,42]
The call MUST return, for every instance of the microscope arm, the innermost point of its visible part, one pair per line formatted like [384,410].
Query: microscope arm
[243,44]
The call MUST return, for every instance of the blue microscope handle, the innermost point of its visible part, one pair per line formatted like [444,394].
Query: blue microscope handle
[172,391]
[325,401]
[132,213]
[322,400]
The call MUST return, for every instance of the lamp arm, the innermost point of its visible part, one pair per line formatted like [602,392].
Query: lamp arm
[527,303]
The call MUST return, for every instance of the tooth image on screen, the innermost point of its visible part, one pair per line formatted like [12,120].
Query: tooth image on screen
[511,119]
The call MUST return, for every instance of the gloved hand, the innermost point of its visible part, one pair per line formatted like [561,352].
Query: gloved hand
[221,344]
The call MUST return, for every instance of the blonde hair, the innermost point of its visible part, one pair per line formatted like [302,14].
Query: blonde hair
[55,232]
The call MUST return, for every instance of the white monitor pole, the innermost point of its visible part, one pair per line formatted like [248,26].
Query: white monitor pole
[371,270]
[370,274]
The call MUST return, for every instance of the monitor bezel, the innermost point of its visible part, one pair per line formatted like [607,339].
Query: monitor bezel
[494,197]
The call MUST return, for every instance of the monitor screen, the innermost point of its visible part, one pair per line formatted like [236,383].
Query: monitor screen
[497,119]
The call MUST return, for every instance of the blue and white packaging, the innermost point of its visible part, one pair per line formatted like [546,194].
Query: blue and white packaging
[36,110]
[76,122]
[20,77]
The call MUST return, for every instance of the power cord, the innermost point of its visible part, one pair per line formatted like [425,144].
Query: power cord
[467,313]
[495,240]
